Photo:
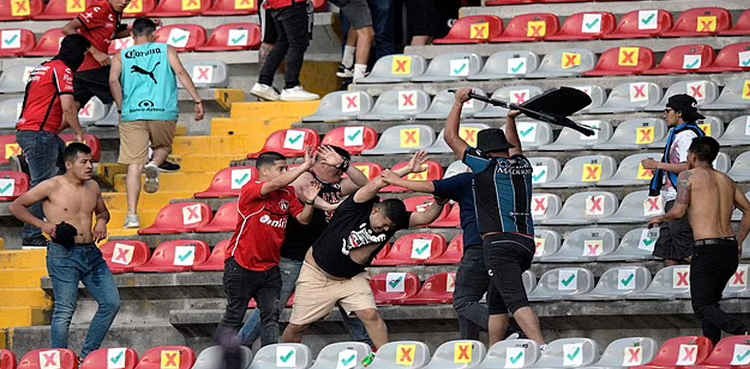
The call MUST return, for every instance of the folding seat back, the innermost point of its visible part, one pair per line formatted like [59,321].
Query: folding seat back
[712,126]
[232,7]
[740,171]
[631,171]
[565,62]
[529,27]
[90,140]
[452,219]
[7,359]
[545,206]
[456,167]
[14,79]
[585,208]
[175,256]
[207,74]
[570,139]
[683,351]
[11,10]
[637,207]
[562,284]
[534,134]
[700,22]
[507,65]
[625,60]
[233,36]
[381,254]
[703,91]
[179,357]
[9,148]
[528,278]
[684,59]
[467,131]
[225,220]
[636,132]
[420,204]
[736,217]
[343,355]
[569,353]
[353,139]
[546,169]
[398,105]
[437,289]
[637,244]
[228,182]
[458,354]
[179,218]
[403,139]
[731,351]
[443,103]
[731,58]
[179,8]
[212,356]
[123,256]
[120,44]
[370,170]
[16,42]
[475,29]
[646,23]
[215,261]
[513,94]
[119,357]
[138,8]
[737,132]
[507,354]
[183,37]
[451,67]
[734,96]
[737,285]
[741,27]
[415,248]
[412,354]
[49,358]
[93,111]
[630,97]
[395,69]
[627,352]
[583,171]
[547,242]
[618,283]
[48,45]
[289,142]
[10,111]
[393,288]
[453,253]
[669,283]
[341,105]
[62,9]
[584,245]
[585,26]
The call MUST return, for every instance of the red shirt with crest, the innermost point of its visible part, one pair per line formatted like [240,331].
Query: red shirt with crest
[100,24]
[42,110]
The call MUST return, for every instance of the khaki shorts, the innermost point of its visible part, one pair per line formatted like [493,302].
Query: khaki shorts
[135,136]
[317,294]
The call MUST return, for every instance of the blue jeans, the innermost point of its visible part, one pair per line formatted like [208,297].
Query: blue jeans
[44,152]
[383,19]
[472,281]
[66,267]
[289,273]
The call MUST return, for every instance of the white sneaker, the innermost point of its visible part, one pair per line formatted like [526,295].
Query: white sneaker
[345,72]
[264,92]
[131,221]
[297,94]
[152,178]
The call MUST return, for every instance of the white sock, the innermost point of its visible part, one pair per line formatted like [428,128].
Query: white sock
[348,59]
[360,70]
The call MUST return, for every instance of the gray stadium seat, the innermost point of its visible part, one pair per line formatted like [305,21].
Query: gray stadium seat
[570,140]
[529,281]
[731,97]
[630,172]
[10,111]
[467,131]
[636,133]
[737,133]
[398,105]
[93,111]
[512,354]
[112,119]
[561,284]
[584,208]
[630,97]
[636,207]
[207,74]
[13,79]
[451,67]
[395,69]
[545,170]
[569,352]
[507,65]
[627,352]
[740,171]
[513,94]
[341,105]
[534,134]
[457,355]
[618,283]
[737,286]
[212,357]
[393,355]
[637,244]
[403,139]
[563,63]
[443,103]
[283,355]
[456,167]
[669,283]
[722,162]
[704,92]
[342,355]
[596,93]
[584,245]
[736,217]
[545,206]
[584,171]
[547,242]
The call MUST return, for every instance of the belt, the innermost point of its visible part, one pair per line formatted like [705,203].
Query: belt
[714,241]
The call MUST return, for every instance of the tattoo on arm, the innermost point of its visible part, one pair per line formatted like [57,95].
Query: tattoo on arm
[683,187]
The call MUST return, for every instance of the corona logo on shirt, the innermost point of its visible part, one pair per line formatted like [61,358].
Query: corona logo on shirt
[277,223]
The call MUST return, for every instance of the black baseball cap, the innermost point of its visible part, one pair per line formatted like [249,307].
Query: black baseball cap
[492,140]
[686,105]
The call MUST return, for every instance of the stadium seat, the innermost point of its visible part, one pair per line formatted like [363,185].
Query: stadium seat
[684,59]
[9,148]
[395,69]
[456,167]
[630,97]
[546,169]
[565,63]
[722,163]
[681,352]
[545,206]
[546,241]
[381,254]
[637,244]
[414,249]
[730,352]
[475,29]
[228,182]
[48,45]
[513,94]
[120,44]
[44,358]
[623,61]
[10,111]
[182,37]
[121,357]
[561,284]
[7,359]
[232,7]
[443,103]
[13,184]
[534,134]
[637,132]
[451,67]
[225,220]
[344,355]
[353,139]
[207,74]
[453,253]
[458,354]
[437,289]
[712,126]
[698,22]
[626,352]
[289,142]
[215,262]
[703,91]
[584,208]
[737,133]
[636,207]
[421,203]
[93,111]
[616,284]
[529,280]
[16,42]
[179,218]
[411,354]
[573,140]
[122,256]
[631,172]
[90,140]
[669,283]
[15,10]
[13,79]
[371,170]
[737,286]
[233,37]
[403,139]
[177,357]
[731,58]
[394,288]
[341,106]
[298,356]
[736,217]
[583,171]
[467,131]
[396,105]
[583,245]
[585,26]
[138,8]
[209,357]
[642,24]
[507,65]
[741,27]
[734,96]
[569,352]
[740,171]
[179,8]
[451,220]
[529,27]
[507,354]
[175,256]
[61,10]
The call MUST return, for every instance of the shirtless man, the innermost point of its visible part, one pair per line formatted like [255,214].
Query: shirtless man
[69,200]
[709,197]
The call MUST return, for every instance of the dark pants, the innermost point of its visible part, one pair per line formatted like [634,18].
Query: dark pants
[383,20]
[675,238]
[293,40]
[710,270]
[472,281]
[508,256]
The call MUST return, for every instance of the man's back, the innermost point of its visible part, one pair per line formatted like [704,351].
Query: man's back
[711,203]
[149,84]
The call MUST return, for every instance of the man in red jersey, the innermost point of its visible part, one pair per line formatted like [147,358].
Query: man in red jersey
[48,108]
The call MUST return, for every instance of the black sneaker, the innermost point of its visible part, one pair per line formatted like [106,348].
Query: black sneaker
[345,72]
[39,241]
[18,164]
[169,167]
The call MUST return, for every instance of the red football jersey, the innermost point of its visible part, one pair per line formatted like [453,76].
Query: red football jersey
[41,105]
[100,24]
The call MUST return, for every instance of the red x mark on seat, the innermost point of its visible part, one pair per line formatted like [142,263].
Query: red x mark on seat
[539,205]
[85,110]
[634,355]
[351,101]
[15,149]
[628,56]
[640,92]
[171,359]
[536,31]
[653,203]
[406,354]
[706,26]
[470,136]
[645,135]
[418,175]
[739,277]
[245,2]
[122,254]
[463,352]
[689,354]
[77,4]
[592,172]
[21,6]
[409,100]
[410,136]
[570,60]
[593,249]
[682,279]
[193,212]
[401,65]
[520,98]
[696,92]
[49,360]
[203,72]
[596,204]
[480,32]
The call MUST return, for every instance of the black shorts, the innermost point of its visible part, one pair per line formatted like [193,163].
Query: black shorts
[423,17]
[507,256]
[675,238]
[90,83]
[268,33]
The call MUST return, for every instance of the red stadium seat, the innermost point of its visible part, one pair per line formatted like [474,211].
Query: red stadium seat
[177,357]
[289,303]
[725,352]
[7,359]
[90,140]
[179,8]
[225,220]
[684,59]
[175,256]
[453,253]
[741,28]
[138,8]
[179,218]
[382,254]
[642,24]
[320,5]
[123,256]
[232,7]
[394,288]
[16,42]
[233,37]
[48,45]
[183,37]
[215,262]
[563,1]
[414,249]
[124,358]
[529,27]
[676,350]
[17,10]
[120,44]
[731,58]
[451,220]
[9,148]
[475,29]
[433,172]
[228,182]
[335,137]
[421,203]
[585,26]
[43,358]
[289,142]
[508,2]
[62,10]
[371,170]
[700,22]
[623,61]
[438,289]
[13,184]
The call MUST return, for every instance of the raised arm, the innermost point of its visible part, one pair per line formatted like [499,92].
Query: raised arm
[511,133]
[371,189]
[681,205]
[356,179]
[429,215]
[394,179]
[187,82]
[20,207]
[740,201]
[452,138]
[289,176]
[115,87]
[308,195]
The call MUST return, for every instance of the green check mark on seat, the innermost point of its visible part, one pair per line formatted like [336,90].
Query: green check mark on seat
[422,249]
[539,176]
[395,282]
[186,256]
[592,24]
[459,70]
[517,68]
[177,40]
[349,360]
[746,63]
[575,353]
[627,280]
[117,358]
[11,40]
[6,188]
[237,40]
[566,282]
[741,358]
[526,132]
[649,242]
[693,64]
[649,19]
[295,139]
[352,137]
[243,179]
[287,357]
[514,360]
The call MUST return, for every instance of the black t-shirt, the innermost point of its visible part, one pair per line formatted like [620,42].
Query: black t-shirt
[349,229]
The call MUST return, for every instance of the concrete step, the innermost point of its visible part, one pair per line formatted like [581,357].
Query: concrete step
[251,126]
[263,110]
[207,162]
[118,200]
[117,220]
[24,316]
[215,145]
[21,278]
[174,182]
[20,297]
[22,259]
